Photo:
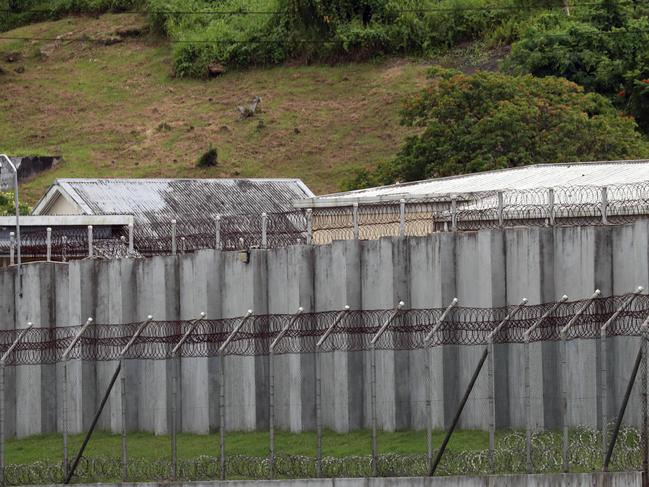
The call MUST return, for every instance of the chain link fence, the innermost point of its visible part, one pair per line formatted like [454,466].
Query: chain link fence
[412,216]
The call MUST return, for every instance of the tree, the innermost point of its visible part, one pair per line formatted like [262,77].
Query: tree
[603,49]
[485,121]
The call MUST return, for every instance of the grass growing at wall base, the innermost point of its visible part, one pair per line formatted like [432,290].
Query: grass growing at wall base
[49,448]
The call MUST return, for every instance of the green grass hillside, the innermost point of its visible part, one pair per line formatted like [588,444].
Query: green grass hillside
[130,94]
[116,111]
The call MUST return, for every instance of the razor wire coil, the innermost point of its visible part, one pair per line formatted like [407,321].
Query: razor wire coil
[422,215]
[462,326]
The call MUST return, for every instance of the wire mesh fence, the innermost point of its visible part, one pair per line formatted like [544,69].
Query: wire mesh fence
[343,220]
[615,445]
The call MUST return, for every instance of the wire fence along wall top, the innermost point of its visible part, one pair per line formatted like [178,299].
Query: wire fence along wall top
[571,205]
[558,206]
[354,331]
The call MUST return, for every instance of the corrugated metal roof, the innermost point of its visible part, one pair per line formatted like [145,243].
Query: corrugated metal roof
[183,199]
[526,177]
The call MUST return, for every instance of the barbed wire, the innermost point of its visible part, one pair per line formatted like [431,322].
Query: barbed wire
[414,216]
[463,326]
[585,455]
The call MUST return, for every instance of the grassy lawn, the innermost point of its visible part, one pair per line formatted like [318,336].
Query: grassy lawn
[37,460]
[148,446]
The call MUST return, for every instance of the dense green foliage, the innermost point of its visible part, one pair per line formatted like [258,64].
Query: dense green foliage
[14,13]
[323,30]
[486,121]
[603,49]
[7,206]
[240,33]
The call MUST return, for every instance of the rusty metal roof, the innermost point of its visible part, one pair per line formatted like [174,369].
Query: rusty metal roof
[154,200]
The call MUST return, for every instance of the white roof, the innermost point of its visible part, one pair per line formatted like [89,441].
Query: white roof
[604,173]
[66,220]
[153,199]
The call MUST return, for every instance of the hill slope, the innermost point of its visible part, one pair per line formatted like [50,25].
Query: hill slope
[114,110]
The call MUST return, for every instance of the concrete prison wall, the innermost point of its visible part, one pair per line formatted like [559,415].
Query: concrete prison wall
[488,268]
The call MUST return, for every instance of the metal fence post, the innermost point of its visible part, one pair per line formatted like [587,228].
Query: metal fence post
[113,379]
[183,241]
[373,407]
[264,230]
[402,217]
[492,403]
[309,226]
[428,343]
[563,335]
[432,218]
[645,403]
[528,398]
[175,355]
[603,399]
[65,421]
[384,327]
[64,248]
[124,428]
[173,237]
[221,353]
[2,424]
[271,389]
[604,204]
[48,243]
[500,209]
[625,403]
[222,415]
[217,232]
[492,382]
[564,401]
[318,387]
[3,361]
[12,247]
[122,355]
[551,206]
[458,413]
[130,240]
[453,213]
[90,250]
[355,224]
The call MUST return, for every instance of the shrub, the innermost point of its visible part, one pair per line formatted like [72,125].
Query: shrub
[321,30]
[7,206]
[486,121]
[23,12]
[209,158]
[603,48]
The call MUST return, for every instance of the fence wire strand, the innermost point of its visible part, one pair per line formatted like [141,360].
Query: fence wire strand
[462,326]
[418,216]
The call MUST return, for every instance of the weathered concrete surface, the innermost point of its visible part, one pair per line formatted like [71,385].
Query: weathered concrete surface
[488,268]
[617,479]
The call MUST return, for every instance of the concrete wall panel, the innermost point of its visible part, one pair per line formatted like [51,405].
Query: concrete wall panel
[490,268]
